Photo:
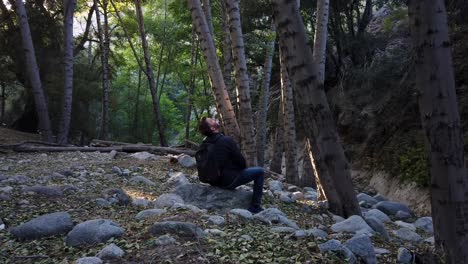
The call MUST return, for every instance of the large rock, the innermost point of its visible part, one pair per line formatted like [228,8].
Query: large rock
[93,232]
[186,161]
[369,200]
[377,214]
[208,197]
[168,200]
[361,245]
[242,213]
[353,224]
[143,156]
[336,247]
[47,191]
[425,224]
[378,227]
[177,228]
[216,220]
[149,213]
[177,179]
[408,235]
[110,252]
[44,226]
[274,216]
[404,256]
[391,208]
[275,186]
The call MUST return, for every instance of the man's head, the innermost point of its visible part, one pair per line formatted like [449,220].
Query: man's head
[208,126]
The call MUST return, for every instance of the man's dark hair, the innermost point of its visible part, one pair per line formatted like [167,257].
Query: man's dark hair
[203,127]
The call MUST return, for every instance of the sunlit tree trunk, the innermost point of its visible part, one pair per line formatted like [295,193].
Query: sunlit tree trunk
[227,54]
[320,39]
[264,96]
[441,122]
[150,74]
[64,127]
[287,107]
[220,93]
[33,73]
[245,116]
[313,109]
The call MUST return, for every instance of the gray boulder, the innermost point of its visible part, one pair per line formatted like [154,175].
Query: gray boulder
[46,191]
[353,224]
[242,213]
[93,232]
[391,208]
[286,197]
[361,245]
[274,216]
[177,179]
[336,247]
[186,161]
[425,224]
[177,228]
[405,225]
[275,186]
[378,227]
[216,220]
[120,195]
[110,252]
[44,226]
[103,202]
[149,213]
[189,207]
[88,260]
[143,156]
[404,255]
[377,214]
[208,197]
[140,202]
[380,198]
[367,199]
[407,235]
[402,215]
[315,232]
[141,180]
[168,200]
[117,170]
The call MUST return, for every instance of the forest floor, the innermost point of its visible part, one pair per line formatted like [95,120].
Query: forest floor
[139,245]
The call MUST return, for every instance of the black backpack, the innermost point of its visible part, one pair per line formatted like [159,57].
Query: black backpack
[208,171]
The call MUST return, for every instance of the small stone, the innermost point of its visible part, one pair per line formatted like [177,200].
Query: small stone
[215,232]
[367,199]
[402,215]
[112,154]
[405,225]
[88,260]
[282,229]
[285,197]
[378,227]
[275,186]
[404,255]
[309,189]
[143,156]
[103,202]
[246,237]
[93,232]
[216,220]
[293,188]
[177,179]
[381,251]
[189,207]
[353,224]
[186,161]
[242,212]
[177,228]
[361,245]
[336,246]
[122,197]
[380,198]
[165,240]
[142,180]
[425,224]
[141,202]
[337,218]
[117,170]
[297,196]
[167,200]
[150,213]
[126,172]
[110,252]
[377,214]
[408,235]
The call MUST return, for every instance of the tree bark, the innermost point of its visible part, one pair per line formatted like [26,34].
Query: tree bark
[83,40]
[220,94]
[287,108]
[136,129]
[320,39]
[64,127]
[150,74]
[265,95]
[278,146]
[2,103]
[365,18]
[314,111]
[227,54]
[191,89]
[441,123]
[33,73]
[209,19]
[245,116]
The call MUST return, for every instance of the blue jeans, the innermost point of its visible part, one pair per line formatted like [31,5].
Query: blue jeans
[254,174]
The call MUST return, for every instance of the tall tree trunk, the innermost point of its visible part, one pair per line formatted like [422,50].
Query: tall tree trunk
[264,96]
[320,39]
[245,116]
[365,18]
[314,111]
[150,74]
[2,103]
[441,122]
[64,127]
[136,129]
[227,54]
[220,94]
[287,107]
[278,146]
[33,73]
[104,127]
[80,46]
[191,89]
[209,19]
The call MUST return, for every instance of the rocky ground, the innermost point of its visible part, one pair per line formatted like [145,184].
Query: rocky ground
[75,207]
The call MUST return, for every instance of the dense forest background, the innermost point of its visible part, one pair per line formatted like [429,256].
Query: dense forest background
[369,76]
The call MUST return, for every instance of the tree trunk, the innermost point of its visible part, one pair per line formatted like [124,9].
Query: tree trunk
[220,94]
[287,108]
[83,40]
[441,122]
[209,19]
[191,89]
[33,73]
[314,111]
[245,116]
[136,130]
[64,127]
[150,74]
[227,54]
[320,39]
[2,103]
[265,95]
[278,146]
[366,17]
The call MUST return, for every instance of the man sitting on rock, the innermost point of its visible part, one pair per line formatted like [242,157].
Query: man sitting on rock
[227,158]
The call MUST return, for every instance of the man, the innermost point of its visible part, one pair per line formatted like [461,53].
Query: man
[232,168]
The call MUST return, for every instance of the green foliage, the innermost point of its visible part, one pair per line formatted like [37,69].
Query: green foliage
[413,165]
[398,14]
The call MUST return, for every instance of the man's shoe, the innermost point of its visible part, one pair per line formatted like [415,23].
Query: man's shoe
[255,209]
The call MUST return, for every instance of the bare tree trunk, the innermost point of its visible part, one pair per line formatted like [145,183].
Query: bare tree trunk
[265,95]
[2,102]
[84,39]
[441,122]
[320,39]
[136,130]
[365,18]
[242,81]
[33,73]
[191,89]
[287,107]
[220,94]
[227,54]
[278,146]
[64,127]
[150,74]
[314,111]
[209,19]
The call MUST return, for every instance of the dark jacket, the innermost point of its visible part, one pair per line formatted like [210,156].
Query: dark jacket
[228,157]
